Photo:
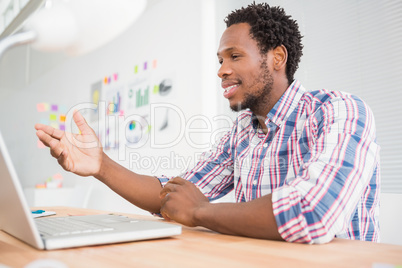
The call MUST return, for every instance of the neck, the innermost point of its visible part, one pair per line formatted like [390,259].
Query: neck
[262,111]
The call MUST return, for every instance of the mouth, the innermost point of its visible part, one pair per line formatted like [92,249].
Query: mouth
[230,89]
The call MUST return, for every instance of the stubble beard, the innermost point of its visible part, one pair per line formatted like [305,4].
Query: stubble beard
[259,100]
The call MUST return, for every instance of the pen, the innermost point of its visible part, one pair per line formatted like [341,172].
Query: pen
[39,211]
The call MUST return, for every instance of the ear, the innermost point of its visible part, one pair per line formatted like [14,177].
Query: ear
[280,57]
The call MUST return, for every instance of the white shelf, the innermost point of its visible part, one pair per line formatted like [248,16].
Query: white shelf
[54,197]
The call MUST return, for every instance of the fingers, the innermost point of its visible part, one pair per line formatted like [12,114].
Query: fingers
[58,134]
[165,195]
[171,186]
[82,123]
[165,216]
[52,143]
[56,149]
[55,133]
[177,180]
[163,207]
[180,199]
[168,192]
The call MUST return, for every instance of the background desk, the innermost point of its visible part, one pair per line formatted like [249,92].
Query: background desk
[198,247]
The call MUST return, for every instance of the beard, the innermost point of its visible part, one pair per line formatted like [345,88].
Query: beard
[260,99]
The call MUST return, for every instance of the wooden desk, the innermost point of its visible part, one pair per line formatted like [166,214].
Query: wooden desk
[199,247]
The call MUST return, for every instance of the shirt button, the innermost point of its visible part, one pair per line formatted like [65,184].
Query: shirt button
[265,145]
[254,182]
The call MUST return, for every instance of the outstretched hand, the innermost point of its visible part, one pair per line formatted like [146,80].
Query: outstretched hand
[77,153]
[180,200]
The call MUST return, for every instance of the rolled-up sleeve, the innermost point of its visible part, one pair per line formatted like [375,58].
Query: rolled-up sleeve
[320,201]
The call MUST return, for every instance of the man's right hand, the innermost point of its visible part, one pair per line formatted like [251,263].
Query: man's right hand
[78,153]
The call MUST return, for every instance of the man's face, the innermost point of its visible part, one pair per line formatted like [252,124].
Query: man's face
[245,74]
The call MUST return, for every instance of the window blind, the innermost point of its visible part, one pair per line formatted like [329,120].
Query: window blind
[355,46]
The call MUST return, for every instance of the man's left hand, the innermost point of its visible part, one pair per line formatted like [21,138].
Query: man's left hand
[180,200]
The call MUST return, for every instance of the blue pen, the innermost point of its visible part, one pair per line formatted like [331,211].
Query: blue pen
[39,211]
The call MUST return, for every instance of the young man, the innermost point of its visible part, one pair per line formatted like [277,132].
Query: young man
[304,165]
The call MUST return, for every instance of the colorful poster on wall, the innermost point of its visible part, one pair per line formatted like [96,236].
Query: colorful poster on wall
[96,95]
[131,101]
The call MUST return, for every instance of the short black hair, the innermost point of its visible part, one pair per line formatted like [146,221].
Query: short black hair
[271,27]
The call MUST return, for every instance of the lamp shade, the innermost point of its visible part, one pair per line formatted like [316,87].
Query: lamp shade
[80,26]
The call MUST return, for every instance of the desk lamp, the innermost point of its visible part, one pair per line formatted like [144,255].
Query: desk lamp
[75,26]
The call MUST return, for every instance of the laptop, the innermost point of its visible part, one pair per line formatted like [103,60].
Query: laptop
[65,232]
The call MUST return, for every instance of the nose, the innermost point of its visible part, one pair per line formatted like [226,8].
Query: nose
[224,70]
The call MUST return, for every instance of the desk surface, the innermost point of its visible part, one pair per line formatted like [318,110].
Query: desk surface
[199,247]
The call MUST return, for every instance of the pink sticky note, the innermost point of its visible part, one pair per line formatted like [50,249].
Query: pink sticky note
[57,176]
[115,77]
[154,64]
[40,107]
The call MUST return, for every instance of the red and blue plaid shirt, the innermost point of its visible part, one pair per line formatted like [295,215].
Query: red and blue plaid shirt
[319,159]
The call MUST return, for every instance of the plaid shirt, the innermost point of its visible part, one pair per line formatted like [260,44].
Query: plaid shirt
[319,159]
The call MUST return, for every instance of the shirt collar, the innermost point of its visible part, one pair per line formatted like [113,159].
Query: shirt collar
[285,105]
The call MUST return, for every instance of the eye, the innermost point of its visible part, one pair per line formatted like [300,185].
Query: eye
[220,61]
[235,56]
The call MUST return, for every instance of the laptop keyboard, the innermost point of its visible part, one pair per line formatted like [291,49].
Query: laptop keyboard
[60,226]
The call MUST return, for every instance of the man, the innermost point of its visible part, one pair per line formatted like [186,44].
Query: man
[304,165]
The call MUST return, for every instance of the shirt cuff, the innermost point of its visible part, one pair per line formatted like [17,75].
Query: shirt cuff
[163,180]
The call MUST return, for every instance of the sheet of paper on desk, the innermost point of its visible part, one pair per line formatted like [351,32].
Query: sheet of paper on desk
[43,214]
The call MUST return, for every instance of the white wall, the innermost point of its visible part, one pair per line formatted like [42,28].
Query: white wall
[171,32]
[391,218]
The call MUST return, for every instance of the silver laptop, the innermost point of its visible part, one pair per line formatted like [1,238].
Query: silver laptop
[66,232]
